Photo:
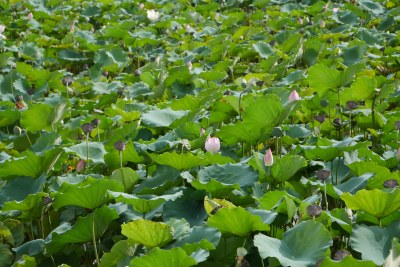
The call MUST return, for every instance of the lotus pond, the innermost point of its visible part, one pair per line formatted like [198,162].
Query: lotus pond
[199,133]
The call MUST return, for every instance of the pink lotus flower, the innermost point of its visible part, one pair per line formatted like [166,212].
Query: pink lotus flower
[294,96]
[30,15]
[80,166]
[212,144]
[268,158]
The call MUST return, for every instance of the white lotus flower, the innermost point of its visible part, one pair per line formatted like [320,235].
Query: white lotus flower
[153,15]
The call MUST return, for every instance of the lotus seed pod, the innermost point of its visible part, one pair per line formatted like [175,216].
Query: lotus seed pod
[87,128]
[391,183]
[351,105]
[314,210]
[95,122]
[120,146]
[340,255]
[323,174]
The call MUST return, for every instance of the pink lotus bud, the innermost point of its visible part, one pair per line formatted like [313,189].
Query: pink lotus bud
[335,10]
[190,66]
[202,131]
[212,144]
[141,6]
[300,21]
[322,23]
[80,166]
[2,28]
[72,28]
[268,158]
[293,96]
[30,15]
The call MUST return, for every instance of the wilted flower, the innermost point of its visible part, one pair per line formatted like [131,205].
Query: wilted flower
[212,144]
[153,15]
[87,127]
[95,122]
[391,183]
[320,118]
[322,174]
[119,145]
[268,158]
[351,104]
[30,15]
[80,166]
[294,96]
[340,254]
[314,210]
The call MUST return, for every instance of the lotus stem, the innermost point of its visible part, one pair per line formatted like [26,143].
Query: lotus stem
[326,198]
[95,245]
[87,148]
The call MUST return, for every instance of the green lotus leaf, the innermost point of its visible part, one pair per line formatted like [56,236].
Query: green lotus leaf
[374,242]
[284,168]
[381,173]
[93,150]
[125,176]
[162,117]
[25,261]
[30,207]
[148,233]
[213,75]
[71,55]
[322,78]
[121,251]
[303,245]
[8,117]
[239,132]
[354,54]
[237,221]
[90,194]
[376,202]
[6,255]
[347,261]
[29,118]
[362,89]
[164,258]
[263,49]
[214,187]
[130,154]
[86,229]
[30,248]
[180,161]
[229,174]
[144,203]
[31,164]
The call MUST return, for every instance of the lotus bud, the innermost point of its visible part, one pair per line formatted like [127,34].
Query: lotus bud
[216,17]
[300,21]
[391,183]
[202,131]
[322,23]
[349,212]
[322,174]
[2,28]
[80,166]
[340,255]
[335,10]
[72,28]
[87,128]
[141,6]
[212,144]
[190,66]
[314,210]
[268,158]
[294,96]
[119,145]
[95,122]
[30,15]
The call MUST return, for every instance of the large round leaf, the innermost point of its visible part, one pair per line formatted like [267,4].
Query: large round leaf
[93,150]
[148,233]
[287,166]
[229,174]
[347,261]
[82,231]
[303,245]
[183,161]
[375,202]
[373,242]
[237,221]
[90,194]
[164,258]
[8,117]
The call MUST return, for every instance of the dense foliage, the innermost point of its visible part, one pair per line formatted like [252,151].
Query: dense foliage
[195,132]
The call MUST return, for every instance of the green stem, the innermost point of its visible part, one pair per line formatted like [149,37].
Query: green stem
[326,198]
[95,245]
[87,148]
